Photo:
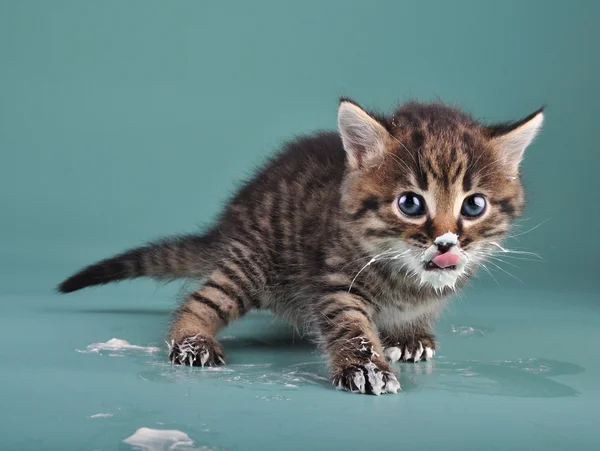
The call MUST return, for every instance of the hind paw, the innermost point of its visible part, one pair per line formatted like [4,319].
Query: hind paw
[199,350]
[410,352]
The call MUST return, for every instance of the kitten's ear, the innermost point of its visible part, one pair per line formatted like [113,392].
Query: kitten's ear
[364,138]
[514,138]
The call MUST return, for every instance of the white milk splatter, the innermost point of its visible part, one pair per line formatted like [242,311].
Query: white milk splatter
[447,238]
[101,415]
[467,331]
[289,377]
[164,440]
[115,345]
[273,398]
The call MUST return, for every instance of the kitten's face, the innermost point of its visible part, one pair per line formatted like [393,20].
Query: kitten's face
[430,188]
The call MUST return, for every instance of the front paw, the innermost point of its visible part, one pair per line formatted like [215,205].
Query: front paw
[366,378]
[413,351]
[199,350]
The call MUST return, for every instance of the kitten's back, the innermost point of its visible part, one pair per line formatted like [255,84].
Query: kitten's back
[284,211]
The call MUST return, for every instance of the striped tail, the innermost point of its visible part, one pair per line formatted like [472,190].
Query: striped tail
[168,259]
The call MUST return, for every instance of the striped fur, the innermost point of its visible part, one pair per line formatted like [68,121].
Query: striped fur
[316,236]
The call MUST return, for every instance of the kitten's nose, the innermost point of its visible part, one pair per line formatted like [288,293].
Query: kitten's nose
[446,242]
[444,247]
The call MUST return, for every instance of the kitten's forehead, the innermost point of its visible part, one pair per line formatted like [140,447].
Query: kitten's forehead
[435,129]
[435,117]
[442,146]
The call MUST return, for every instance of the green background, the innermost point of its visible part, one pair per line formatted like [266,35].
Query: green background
[125,121]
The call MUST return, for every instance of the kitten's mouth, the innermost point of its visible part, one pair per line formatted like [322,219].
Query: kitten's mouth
[431,266]
[441,270]
[442,262]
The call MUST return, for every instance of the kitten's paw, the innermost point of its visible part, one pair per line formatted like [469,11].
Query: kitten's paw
[412,352]
[366,378]
[199,350]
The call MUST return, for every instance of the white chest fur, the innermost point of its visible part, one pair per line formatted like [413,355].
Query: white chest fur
[391,318]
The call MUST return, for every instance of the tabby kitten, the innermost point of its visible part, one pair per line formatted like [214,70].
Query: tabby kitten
[358,236]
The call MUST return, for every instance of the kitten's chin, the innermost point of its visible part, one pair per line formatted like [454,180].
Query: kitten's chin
[427,275]
[439,279]
[440,270]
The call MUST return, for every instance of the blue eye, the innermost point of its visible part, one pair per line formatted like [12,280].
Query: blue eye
[473,206]
[411,204]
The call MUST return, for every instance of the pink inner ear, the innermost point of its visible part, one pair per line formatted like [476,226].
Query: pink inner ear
[445,260]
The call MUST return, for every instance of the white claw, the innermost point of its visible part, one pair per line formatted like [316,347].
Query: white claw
[407,354]
[359,381]
[429,353]
[419,352]
[204,355]
[392,385]
[393,353]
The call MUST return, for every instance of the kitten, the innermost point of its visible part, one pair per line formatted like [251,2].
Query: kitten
[359,236]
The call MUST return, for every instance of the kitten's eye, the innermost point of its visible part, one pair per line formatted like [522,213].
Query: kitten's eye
[411,204]
[473,206]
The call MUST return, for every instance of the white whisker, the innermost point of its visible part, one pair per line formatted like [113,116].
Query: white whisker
[387,251]
[502,261]
[538,260]
[371,261]
[513,251]
[490,273]
[505,271]
[400,162]
[408,152]
[530,230]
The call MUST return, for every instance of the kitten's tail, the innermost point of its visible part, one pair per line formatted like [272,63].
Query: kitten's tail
[168,259]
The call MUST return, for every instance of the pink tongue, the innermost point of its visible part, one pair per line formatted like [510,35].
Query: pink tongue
[445,260]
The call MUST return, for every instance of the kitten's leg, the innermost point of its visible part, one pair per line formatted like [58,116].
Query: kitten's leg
[352,345]
[230,291]
[411,343]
